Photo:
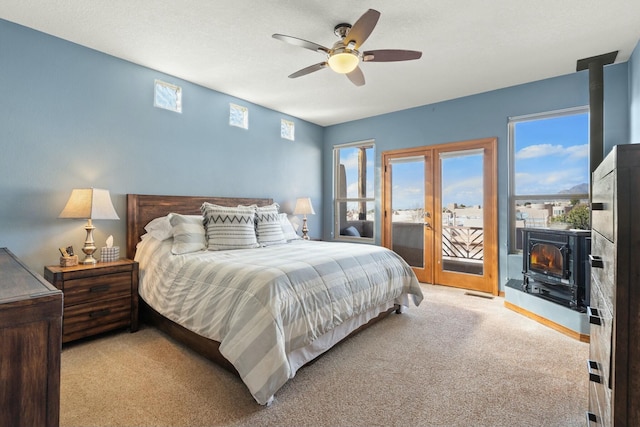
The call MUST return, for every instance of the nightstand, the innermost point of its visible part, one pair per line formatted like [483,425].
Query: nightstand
[97,298]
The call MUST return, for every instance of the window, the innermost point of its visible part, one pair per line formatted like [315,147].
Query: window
[238,116]
[549,172]
[287,130]
[167,96]
[354,200]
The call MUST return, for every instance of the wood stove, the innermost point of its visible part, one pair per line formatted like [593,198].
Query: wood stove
[555,265]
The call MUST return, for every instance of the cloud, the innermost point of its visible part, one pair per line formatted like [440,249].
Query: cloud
[468,191]
[578,151]
[407,197]
[408,192]
[352,190]
[548,182]
[351,160]
[539,150]
[542,150]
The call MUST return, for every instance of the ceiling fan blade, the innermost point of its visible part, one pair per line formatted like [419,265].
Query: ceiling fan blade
[356,77]
[308,70]
[363,27]
[301,43]
[390,55]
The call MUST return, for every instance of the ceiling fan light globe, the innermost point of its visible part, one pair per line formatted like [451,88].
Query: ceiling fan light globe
[343,62]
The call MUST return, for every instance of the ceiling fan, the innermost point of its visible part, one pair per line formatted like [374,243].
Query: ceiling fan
[345,56]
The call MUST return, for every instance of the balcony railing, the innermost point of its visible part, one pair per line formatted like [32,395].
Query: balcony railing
[463,242]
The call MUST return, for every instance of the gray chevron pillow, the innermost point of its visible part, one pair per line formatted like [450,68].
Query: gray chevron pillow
[268,228]
[229,227]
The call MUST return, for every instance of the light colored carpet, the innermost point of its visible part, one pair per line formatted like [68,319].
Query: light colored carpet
[457,360]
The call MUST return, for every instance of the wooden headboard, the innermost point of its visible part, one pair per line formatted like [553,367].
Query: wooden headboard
[142,208]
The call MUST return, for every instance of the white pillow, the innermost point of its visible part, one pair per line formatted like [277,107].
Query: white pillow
[188,233]
[229,228]
[159,228]
[268,228]
[288,231]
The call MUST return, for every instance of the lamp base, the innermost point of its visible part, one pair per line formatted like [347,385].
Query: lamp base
[89,259]
[305,230]
[89,245]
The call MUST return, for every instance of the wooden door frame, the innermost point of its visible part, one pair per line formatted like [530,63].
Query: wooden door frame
[424,274]
[488,282]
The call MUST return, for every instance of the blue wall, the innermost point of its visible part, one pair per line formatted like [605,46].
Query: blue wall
[73,117]
[480,116]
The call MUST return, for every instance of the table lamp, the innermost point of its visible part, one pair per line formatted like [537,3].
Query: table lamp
[304,207]
[89,204]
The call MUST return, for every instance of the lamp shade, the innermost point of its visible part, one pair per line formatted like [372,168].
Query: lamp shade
[304,207]
[89,203]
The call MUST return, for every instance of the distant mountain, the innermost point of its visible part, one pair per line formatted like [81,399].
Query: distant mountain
[577,189]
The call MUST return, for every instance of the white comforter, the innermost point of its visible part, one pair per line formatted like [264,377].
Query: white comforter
[263,304]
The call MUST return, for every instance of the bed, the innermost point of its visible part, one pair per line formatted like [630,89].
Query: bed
[260,312]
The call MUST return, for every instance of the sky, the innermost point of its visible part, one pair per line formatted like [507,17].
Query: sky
[349,158]
[551,155]
[462,182]
[408,185]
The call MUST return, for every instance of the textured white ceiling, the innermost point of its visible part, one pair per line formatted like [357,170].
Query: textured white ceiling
[468,46]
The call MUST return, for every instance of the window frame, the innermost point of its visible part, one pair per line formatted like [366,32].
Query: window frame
[514,198]
[337,200]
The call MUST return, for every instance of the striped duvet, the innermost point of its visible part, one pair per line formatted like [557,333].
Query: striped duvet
[263,304]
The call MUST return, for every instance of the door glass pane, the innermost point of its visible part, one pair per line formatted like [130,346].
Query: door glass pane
[462,218]
[407,209]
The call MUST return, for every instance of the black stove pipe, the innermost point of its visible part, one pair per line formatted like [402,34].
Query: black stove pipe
[595,65]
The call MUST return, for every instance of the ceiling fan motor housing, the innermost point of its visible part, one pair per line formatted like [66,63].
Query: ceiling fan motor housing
[343,58]
[341,30]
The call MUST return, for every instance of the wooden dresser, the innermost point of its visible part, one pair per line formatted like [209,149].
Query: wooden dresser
[614,312]
[30,346]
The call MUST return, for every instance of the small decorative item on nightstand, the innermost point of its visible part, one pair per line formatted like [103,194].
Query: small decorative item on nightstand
[68,258]
[68,261]
[110,253]
[304,207]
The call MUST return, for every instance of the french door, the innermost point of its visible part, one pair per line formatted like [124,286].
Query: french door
[440,212]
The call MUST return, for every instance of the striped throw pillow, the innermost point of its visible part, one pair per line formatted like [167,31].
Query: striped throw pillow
[188,233]
[229,227]
[268,228]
